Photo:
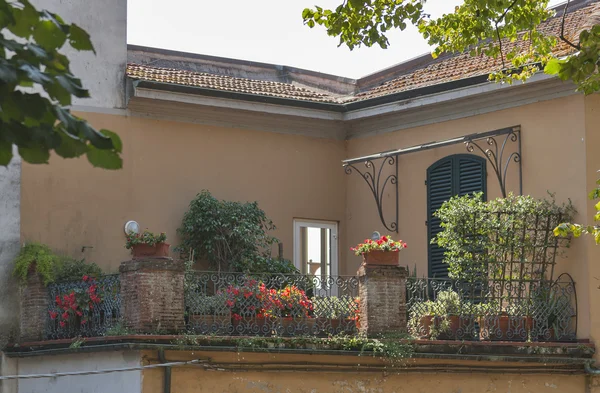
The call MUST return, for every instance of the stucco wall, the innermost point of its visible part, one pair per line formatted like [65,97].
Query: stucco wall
[129,381]
[10,201]
[165,164]
[225,379]
[553,157]
[102,74]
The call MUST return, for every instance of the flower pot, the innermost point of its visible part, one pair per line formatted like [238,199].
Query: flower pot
[211,324]
[289,326]
[143,250]
[429,325]
[506,328]
[381,258]
[253,326]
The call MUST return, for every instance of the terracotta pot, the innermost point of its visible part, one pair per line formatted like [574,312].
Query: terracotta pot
[506,328]
[381,258]
[296,326]
[253,326]
[143,250]
[427,322]
[211,324]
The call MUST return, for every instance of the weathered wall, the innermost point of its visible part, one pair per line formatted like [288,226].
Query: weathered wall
[197,380]
[10,201]
[553,149]
[165,164]
[106,22]
[129,381]
[592,138]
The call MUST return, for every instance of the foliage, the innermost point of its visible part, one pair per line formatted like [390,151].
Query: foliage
[208,305]
[500,239]
[76,303]
[448,303]
[262,264]
[39,123]
[230,235]
[118,329]
[384,244]
[70,269]
[564,229]
[45,261]
[335,307]
[145,237]
[501,29]
[292,302]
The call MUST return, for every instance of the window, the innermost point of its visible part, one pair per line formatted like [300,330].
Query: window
[315,249]
[459,174]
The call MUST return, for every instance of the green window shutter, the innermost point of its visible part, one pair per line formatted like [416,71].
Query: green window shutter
[459,174]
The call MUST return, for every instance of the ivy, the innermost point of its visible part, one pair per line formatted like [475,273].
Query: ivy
[31,63]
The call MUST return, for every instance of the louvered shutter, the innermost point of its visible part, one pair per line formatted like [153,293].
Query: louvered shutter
[454,175]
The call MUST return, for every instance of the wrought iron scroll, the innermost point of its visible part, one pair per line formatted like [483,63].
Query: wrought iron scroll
[494,152]
[378,183]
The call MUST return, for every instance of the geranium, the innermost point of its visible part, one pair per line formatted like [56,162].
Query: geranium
[76,303]
[292,302]
[385,243]
[248,299]
[145,237]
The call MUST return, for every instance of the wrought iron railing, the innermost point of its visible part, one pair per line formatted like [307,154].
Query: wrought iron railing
[511,310]
[270,304]
[86,318]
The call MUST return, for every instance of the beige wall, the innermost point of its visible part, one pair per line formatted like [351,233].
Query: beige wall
[194,379]
[553,151]
[68,204]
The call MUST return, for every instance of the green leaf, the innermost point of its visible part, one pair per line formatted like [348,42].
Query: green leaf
[34,73]
[97,139]
[80,39]
[116,140]
[70,146]
[106,159]
[553,67]
[36,154]
[5,152]
[72,85]
[49,35]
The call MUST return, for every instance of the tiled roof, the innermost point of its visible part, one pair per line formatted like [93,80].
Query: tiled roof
[225,83]
[435,71]
[463,65]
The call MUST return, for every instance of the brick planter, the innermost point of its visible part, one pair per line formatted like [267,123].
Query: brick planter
[382,291]
[152,295]
[34,308]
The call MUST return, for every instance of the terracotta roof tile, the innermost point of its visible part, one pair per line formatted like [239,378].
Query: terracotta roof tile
[437,71]
[225,83]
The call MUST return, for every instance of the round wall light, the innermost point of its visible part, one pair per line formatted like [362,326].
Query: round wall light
[132,227]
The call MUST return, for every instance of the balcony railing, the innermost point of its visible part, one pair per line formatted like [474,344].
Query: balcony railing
[67,300]
[270,304]
[511,310]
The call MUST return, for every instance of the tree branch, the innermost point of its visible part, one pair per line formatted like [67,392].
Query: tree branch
[562,28]
[498,31]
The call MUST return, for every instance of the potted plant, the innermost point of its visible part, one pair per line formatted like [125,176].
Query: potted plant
[210,315]
[513,323]
[250,307]
[383,251]
[147,245]
[293,309]
[441,318]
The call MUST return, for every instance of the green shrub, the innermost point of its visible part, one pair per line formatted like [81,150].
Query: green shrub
[45,261]
[506,238]
[227,234]
[70,269]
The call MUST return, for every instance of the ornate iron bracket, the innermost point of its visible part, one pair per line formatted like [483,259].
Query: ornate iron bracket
[495,155]
[494,152]
[372,176]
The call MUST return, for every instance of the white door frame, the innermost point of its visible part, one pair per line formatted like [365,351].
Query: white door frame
[332,226]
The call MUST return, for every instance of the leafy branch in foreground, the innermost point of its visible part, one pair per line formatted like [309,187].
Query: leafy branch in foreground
[577,230]
[509,30]
[36,88]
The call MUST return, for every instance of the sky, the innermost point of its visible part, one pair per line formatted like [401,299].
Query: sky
[269,31]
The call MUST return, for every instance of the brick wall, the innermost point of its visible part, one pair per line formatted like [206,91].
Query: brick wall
[382,291]
[34,308]
[152,295]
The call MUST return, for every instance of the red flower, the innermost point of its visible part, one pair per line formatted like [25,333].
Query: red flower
[85,278]
[53,314]
[65,315]
[83,321]
[237,317]
[62,323]
[79,313]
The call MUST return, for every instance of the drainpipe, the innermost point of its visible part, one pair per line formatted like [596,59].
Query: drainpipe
[589,369]
[167,378]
